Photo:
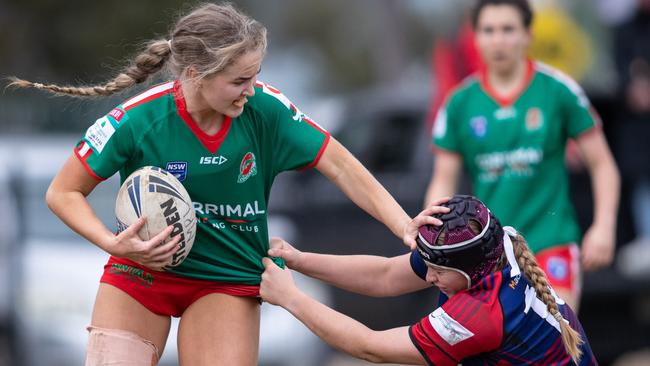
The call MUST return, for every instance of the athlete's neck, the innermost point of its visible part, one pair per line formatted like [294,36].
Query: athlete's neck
[506,82]
[206,118]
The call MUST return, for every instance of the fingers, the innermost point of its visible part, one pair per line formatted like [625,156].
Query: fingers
[268,263]
[440,201]
[134,228]
[162,236]
[276,242]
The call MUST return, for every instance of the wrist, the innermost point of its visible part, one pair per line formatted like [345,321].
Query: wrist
[294,300]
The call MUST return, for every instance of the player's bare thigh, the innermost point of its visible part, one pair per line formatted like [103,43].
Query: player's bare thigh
[115,309]
[220,329]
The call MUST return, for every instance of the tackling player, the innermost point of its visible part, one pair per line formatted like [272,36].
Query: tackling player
[507,127]
[225,136]
[500,308]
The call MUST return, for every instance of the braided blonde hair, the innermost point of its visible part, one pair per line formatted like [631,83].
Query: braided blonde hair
[536,276]
[209,39]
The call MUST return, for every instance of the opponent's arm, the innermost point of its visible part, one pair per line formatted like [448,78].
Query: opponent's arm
[599,241]
[66,197]
[363,274]
[338,330]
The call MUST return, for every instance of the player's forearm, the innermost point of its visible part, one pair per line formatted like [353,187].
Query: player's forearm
[606,182]
[362,274]
[336,329]
[73,209]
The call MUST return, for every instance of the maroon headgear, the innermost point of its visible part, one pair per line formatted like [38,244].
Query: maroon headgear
[474,255]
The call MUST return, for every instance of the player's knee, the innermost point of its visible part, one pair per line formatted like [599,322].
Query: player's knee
[119,347]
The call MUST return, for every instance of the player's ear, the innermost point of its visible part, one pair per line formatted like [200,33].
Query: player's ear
[192,75]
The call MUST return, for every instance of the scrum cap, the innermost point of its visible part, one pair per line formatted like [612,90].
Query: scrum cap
[473,255]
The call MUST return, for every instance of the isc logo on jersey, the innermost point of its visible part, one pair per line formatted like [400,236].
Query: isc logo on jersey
[213,160]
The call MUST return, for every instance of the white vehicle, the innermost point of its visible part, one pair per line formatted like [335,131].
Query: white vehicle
[59,271]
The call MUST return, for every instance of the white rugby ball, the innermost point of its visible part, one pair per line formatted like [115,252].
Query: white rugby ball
[156,194]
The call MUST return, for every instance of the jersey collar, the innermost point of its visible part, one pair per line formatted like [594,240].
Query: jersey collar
[507,100]
[211,142]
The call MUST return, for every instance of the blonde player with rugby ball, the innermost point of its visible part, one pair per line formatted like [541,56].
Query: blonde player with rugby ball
[225,135]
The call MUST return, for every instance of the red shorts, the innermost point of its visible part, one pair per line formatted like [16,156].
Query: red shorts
[165,293]
[562,267]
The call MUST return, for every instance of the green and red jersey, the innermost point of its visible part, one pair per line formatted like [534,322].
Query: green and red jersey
[513,149]
[228,175]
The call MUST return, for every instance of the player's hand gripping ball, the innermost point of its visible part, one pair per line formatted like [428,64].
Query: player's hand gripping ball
[156,194]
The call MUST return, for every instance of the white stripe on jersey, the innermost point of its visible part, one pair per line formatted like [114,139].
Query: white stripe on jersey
[84,149]
[147,94]
[564,79]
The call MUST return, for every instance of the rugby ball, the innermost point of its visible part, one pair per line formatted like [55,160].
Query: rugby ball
[156,194]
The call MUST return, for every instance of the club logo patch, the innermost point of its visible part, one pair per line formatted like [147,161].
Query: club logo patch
[534,119]
[247,168]
[178,169]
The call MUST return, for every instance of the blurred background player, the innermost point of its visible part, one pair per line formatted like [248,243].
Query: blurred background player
[213,107]
[500,307]
[507,126]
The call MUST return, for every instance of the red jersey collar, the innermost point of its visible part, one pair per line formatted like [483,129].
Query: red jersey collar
[211,142]
[507,100]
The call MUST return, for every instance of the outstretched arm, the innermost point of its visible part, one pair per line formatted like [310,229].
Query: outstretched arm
[363,274]
[338,330]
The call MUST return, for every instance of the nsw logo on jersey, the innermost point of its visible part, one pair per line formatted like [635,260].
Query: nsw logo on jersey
[178,169]
[247,168]
[479,126]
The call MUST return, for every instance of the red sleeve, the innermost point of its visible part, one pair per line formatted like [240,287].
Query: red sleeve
[467,324]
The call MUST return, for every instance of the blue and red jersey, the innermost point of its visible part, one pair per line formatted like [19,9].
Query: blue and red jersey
[498,321]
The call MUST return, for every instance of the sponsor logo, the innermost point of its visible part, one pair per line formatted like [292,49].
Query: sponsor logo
[534,119]
[213,160]
[448,328]
[247,168]
[238,211]
[132,273]
[505,113]
[514,282]
[479,126]
[99,133]
[117,114]
[519,162]
[178,169]
[173,218]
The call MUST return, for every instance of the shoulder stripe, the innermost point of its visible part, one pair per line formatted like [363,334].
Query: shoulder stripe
[148,95]
[564,79]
